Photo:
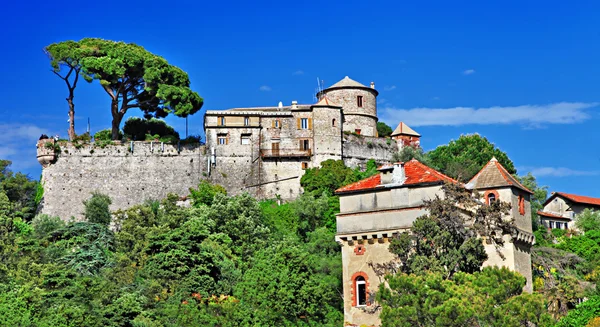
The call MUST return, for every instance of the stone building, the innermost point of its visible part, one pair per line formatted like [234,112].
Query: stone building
[268,148]
[263,151]
[561,209]
[374,210]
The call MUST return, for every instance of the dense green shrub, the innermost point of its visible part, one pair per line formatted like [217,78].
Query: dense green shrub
[106,135]
[97,209]
[137,128]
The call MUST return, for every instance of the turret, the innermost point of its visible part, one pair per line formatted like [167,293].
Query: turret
[359,104]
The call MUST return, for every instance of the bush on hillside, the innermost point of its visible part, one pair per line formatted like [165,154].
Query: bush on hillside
[106,135]
[137,128]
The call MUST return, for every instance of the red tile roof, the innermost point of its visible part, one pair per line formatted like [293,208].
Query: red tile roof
[416,173]
[576,198]
[550,215]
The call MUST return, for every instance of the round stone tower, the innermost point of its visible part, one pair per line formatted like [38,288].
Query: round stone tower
[358,102]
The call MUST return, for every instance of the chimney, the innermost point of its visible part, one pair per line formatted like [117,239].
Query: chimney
[373,85]
[294,104]
[386,172]
[398,174]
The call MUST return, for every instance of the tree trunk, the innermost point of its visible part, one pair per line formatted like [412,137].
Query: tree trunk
[116,121]
[71,118]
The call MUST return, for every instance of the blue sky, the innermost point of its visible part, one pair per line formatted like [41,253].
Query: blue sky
[522,73]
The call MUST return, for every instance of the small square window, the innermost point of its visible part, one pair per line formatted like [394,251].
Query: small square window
[304,165]
[245,139]
[222,139]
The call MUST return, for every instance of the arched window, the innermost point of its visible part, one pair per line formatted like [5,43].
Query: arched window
[491,198]
[361,291]
[333,122]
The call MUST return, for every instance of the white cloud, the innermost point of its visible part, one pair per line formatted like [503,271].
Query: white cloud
[298,72]
[389,88]
[435,98]
[17,144]
[469,72]
[558,172]
[531,116]
[265,88]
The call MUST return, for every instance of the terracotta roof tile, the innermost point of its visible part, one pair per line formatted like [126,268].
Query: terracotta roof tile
[493,174]
[403,129]
[551,215]
[416,173]
[580,198]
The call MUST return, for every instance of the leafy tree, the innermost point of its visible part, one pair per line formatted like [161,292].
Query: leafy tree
[588,220]
[20,189]
[583,314]
[65,59]
[137,128]
[383,130]
[492,297]
[285,286]
[136,78]
[205,193]
[97,209]
[440,242]
[463,158]
[557,274]
[408,153]
[332,175]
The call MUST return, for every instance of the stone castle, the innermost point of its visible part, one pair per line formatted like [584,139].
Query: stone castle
[260,150]
[264,151]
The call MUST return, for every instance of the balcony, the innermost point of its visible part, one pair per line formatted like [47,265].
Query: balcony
[284,153]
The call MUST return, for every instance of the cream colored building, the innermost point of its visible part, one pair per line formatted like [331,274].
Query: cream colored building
[377,208]
[561,209]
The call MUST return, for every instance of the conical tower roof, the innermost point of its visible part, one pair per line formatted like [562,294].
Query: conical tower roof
[347,82]
[493,174]
[403,129]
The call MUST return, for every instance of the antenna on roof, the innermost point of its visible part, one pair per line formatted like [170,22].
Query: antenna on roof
[320,89]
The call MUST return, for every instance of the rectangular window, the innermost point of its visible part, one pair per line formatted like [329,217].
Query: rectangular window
[304,165]
[246,121]
[245,139]
[221,121]
[359,102]
[277,123]
[551,224]
[222,139]
[304,145]
[304,123]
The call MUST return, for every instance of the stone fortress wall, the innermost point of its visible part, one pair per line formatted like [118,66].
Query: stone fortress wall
[153,170]
[149,172]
